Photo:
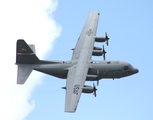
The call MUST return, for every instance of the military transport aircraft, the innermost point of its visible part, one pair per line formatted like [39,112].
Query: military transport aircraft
[79,69]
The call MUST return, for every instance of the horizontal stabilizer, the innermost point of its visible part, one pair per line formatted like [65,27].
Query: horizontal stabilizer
[23,73]
[32,48]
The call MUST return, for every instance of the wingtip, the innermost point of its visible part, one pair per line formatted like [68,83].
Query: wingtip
[69,111]
[95,12]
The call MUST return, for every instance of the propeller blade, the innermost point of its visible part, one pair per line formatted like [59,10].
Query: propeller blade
[94,93]
[107,42]
[94,90]
[104,52]
[106,38]
[104,56]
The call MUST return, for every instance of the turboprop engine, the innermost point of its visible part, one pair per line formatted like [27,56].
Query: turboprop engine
[88,89]
[102,39]
[99,52]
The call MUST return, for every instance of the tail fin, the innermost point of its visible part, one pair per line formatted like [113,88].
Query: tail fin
[25,59]
[25,54]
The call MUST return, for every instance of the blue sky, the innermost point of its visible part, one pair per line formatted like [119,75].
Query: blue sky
[129,26]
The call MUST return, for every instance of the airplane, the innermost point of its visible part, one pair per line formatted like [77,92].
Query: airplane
[79,69]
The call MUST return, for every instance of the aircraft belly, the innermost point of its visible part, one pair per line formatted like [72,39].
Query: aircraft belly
[53,70]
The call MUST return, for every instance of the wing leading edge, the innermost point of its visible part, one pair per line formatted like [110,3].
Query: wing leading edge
[82,54]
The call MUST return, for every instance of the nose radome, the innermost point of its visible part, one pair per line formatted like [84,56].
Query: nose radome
[135,70]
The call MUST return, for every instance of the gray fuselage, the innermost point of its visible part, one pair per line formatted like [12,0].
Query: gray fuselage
[100,69]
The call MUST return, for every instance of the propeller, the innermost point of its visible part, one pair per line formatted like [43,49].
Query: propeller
[106,38]
[104,52]
[94,90]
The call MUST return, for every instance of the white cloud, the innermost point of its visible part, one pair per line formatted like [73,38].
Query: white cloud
[29,20]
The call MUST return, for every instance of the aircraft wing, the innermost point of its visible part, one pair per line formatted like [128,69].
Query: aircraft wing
[82,54]
[86,40]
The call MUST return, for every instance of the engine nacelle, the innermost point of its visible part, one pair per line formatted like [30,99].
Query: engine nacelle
[87,89]
[100,39]
[97,48]
[97,53]
[91,77]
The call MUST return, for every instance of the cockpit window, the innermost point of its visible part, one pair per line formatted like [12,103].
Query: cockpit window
[126,67]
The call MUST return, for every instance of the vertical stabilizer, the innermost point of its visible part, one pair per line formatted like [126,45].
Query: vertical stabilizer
[25,54]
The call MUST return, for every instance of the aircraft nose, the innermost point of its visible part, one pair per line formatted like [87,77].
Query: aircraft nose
[135,70]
